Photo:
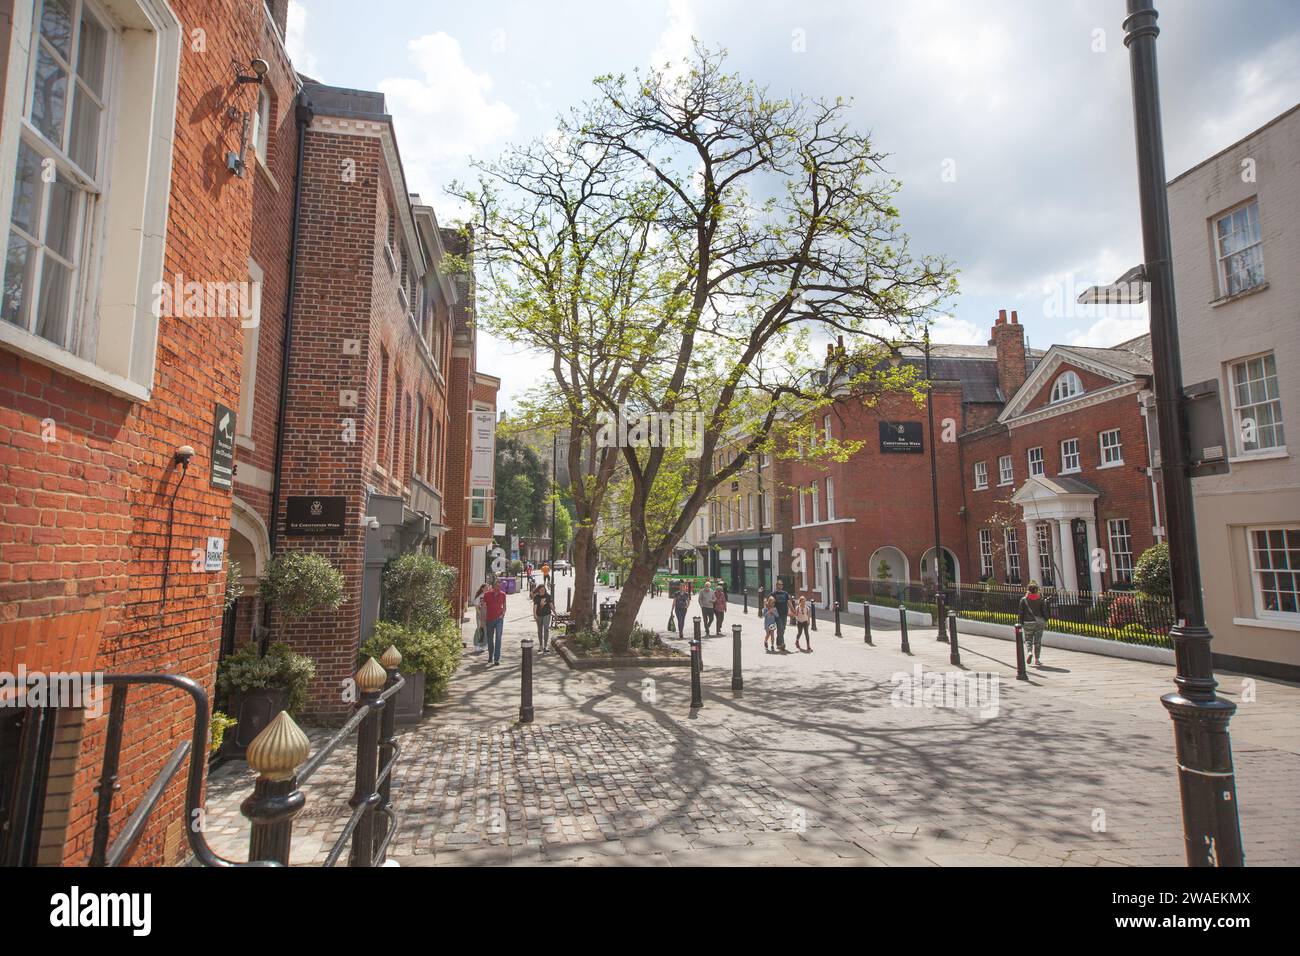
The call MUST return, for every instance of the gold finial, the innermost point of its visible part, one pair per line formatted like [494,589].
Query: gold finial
[277,751]
[371,677]
[392,657]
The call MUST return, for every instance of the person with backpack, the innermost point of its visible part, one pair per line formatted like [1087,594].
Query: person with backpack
[719,604]
[480,629]
[802,615]
[706,605]
[1034,614]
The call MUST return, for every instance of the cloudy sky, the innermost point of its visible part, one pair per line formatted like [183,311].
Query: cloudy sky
[1008,121]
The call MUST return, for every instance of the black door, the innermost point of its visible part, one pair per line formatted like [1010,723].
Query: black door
[1082,559]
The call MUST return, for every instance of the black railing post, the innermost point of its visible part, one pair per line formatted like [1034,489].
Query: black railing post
[1020,654]
[697,693]
[866,621]
[837,620]
[954,652]
[737,680]
[108,784]
[391,661]
[902,626]
[526,682]
[940,617]
[696,620]
[275,754]
[370,681]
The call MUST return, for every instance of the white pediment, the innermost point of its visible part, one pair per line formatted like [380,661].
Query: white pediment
[1041,378]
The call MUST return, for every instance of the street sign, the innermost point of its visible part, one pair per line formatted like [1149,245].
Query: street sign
[223,447]
[901,438]
[316,514]
[213,555]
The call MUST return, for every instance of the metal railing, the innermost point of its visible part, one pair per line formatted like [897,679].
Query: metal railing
[280,755]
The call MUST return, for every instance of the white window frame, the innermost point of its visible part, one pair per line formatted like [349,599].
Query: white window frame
[248,369]
[1041,462]
[1046,564]
[986,553]
[1070,450]
[826,425]
[478,499]
[816,503]
[981,475]
[1068,385]
[1011,546]
[261,133]
[800,493]
[127,242]
[1256,585]
[1242,413]
[1006,470]
[1112,454]
[1253,248]
[830,498]
[1119,537]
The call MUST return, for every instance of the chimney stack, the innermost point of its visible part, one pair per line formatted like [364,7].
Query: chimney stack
[1009,340]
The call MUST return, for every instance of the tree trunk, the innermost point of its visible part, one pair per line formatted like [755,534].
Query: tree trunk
[584,577]
[629,605]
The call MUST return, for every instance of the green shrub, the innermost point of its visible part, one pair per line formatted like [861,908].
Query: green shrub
[1151,573]
[245,670]
[416,587]
[234,586]
[300,582]
[434,653]
[217,729]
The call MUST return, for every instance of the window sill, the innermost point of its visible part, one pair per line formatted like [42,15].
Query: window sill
[1278,625]
[980,488]
[260,162]
[390,259]
[244,441]
[1005,484]
[1273,454]
[1113,464]
[1244,293]
[1069,471]
[47,353]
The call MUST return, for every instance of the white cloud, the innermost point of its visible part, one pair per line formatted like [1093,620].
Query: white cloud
[675,43]
[1109,331]
[954,331]
[295,41]
[443,115]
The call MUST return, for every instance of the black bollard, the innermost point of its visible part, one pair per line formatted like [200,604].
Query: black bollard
[1020,654]
[526,683]
[837,620]
[954,652]
[813,606]
[746,600]
[737,681]
[696,619]
[697,693]
[568,600]
[902,626]
[940,617]
[866,622]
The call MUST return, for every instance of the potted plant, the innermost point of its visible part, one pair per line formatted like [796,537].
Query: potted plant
[297,583]
[259,686]
[417,621]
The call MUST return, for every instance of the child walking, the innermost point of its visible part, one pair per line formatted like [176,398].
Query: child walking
[769,625]
[802,614]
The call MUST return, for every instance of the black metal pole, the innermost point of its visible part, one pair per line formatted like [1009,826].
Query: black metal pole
[387,749]
[737,680]
[1211,829]
[954,652]
[902,626]
[363,837]
[697,693]
[526,682]
[555,440]
[813,606]
[866,622]
[934,490]
[746,591]
[940,617]
[696,619]
[837,620]
[1020,654]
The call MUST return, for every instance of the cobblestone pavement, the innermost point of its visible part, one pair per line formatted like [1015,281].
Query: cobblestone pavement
[815,763]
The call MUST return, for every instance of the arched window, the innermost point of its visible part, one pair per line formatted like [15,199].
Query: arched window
[1067,385]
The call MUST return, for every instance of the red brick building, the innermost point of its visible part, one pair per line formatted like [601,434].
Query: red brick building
[1042,464]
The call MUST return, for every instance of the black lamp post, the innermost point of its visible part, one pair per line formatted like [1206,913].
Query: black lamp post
[1211,830]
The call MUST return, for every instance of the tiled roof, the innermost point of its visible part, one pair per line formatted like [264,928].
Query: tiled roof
[1133,356]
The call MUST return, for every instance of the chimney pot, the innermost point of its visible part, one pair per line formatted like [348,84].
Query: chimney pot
[1002,316]
[1013,318]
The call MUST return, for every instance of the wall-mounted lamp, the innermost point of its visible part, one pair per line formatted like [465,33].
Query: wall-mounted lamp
[183,455]
[235,162]
[259,68]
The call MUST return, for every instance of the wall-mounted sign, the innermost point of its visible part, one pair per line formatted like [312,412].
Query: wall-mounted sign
[483,435]
[316,514]
[901,438]
[223,447]
[212,556]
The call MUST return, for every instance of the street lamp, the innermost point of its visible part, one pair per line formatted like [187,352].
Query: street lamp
[895,359]
[1211,829]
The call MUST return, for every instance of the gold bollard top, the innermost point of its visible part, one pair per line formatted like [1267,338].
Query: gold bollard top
[371,677]
[277,751]
[391,658]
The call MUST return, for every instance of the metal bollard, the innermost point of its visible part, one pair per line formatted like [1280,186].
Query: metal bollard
[697,693]
[813,606]
[837,620]
[954,652]
[526,683]
[737,681]
[696,619]
[370,681]
[866,622]
[568,600]
[390,661]
[746,600]
[902,625]
[940,617]
[274,802]
[1020,654]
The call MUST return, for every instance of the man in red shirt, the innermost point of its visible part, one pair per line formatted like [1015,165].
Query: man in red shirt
[494,620]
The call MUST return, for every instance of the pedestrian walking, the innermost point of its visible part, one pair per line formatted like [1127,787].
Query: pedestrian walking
[543,608]
[1035,611]
[494,616]
[782,599]
[719,604]
[480,631]
[769,625]
[802,615]
[706,605]
[681,604]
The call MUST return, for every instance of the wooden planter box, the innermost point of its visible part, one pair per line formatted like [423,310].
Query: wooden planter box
[409,701]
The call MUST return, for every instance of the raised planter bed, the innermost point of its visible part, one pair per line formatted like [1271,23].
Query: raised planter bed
[581,661]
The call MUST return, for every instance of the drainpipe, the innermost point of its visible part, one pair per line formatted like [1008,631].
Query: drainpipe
[303,115]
